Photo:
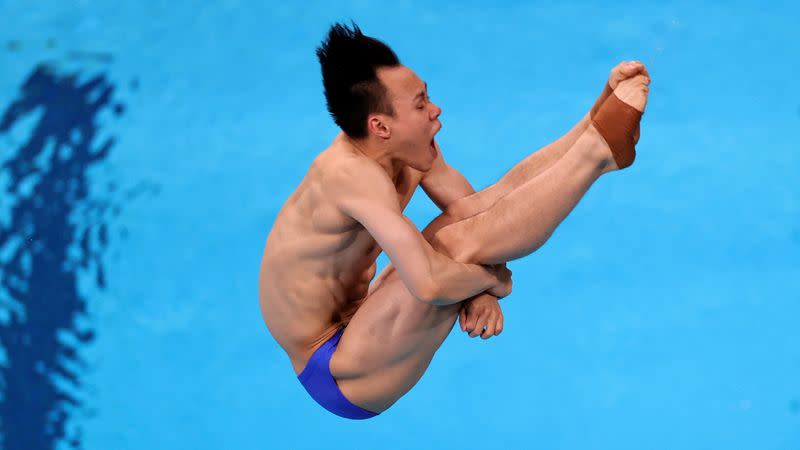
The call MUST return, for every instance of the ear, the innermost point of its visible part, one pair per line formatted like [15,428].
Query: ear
[378,127]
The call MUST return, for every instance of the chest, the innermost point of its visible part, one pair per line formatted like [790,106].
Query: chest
[345,232]
[406,184]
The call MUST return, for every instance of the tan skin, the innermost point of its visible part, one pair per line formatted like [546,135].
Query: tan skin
[318,261]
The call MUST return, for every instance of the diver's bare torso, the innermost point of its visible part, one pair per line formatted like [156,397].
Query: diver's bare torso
[318,262]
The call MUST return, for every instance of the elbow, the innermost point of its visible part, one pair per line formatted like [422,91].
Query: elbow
[428,293]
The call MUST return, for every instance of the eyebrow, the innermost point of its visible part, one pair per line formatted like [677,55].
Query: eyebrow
[421,92]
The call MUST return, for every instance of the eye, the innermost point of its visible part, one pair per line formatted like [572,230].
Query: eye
[422,105]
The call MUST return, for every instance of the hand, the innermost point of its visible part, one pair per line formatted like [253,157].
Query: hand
[482,311]
[504,285]
[625,70]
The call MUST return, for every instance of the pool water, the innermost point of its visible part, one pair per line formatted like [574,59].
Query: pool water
[146,148]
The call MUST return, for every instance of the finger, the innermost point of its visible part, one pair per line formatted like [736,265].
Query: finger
[462,319]
[481,322]
[472,320]
[490,327]
[499,328]
[471,323]
[477,330]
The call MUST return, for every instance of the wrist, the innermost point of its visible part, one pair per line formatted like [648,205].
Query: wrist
[491,274]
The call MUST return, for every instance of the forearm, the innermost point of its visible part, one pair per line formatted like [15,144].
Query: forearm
[455,282]
[443,280]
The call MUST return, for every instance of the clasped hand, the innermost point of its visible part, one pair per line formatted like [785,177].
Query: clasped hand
[504,283]
[481,315]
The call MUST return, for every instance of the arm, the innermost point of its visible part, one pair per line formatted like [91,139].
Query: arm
[361,190]
[443,183]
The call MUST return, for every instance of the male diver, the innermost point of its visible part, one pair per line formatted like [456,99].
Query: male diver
[358,347]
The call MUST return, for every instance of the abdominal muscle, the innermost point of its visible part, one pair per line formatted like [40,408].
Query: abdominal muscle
[299,325]
[305,298]
[316,268]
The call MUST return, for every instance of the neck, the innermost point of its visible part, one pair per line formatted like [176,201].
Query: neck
[381,154]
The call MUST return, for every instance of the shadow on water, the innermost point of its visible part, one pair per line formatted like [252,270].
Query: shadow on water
[42,313]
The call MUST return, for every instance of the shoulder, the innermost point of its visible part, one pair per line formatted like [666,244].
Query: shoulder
[351,169]
[348,178]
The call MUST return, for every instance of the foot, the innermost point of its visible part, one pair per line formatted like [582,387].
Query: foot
[617,121]
[623,71]
[634,91]
[600,154]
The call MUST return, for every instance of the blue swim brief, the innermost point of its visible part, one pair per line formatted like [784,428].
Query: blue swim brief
[322,387]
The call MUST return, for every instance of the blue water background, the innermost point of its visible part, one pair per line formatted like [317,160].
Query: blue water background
[663,313]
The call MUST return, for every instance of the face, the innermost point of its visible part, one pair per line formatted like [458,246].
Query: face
[416,118]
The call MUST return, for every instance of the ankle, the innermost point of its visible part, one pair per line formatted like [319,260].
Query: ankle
[597,149]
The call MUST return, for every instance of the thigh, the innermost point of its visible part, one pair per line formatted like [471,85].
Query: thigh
[391,339]
[388,344]
[392,327]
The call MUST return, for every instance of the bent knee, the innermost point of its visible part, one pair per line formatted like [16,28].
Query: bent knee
[451,240]
[441,221]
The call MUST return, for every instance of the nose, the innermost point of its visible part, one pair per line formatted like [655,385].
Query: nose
[436,111]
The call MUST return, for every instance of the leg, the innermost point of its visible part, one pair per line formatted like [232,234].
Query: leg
[391,339]
[521,221]
[522,172]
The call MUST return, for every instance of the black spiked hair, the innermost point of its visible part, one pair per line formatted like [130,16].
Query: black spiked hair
[348,60]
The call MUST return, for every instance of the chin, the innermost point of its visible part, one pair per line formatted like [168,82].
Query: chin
[422,166]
